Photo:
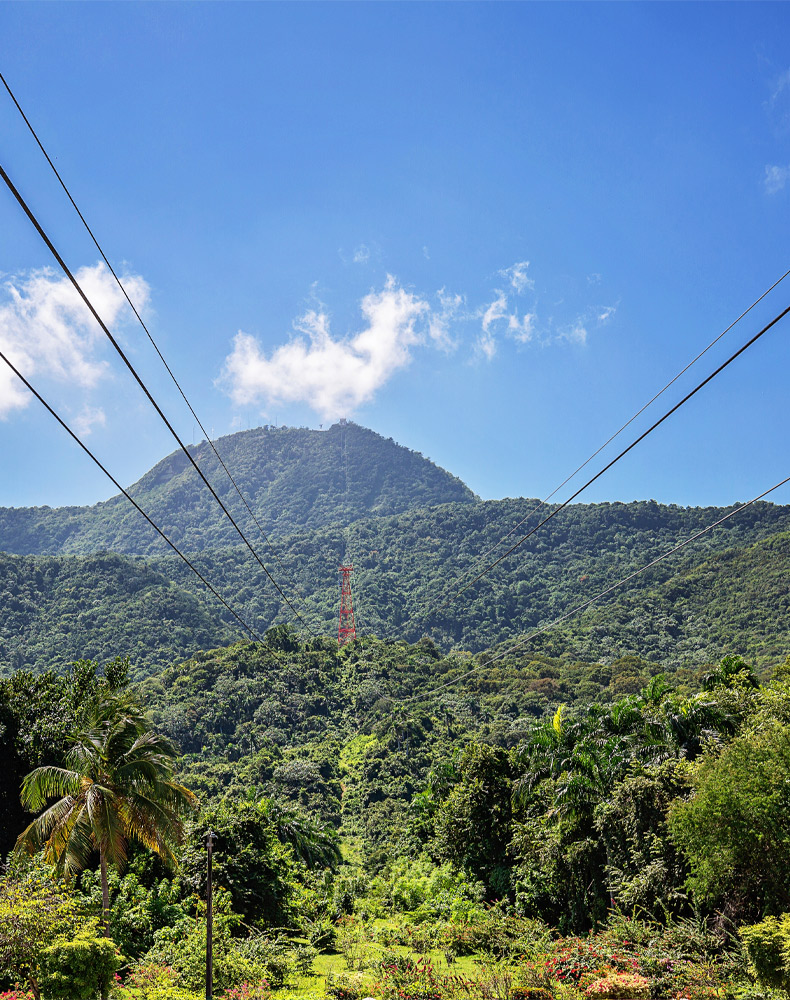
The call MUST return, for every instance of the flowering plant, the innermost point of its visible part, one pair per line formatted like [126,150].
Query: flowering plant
[249,991]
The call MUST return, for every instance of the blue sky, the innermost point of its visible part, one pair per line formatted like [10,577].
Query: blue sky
[490,231]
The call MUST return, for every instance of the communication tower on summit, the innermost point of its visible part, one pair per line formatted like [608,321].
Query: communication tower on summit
[346,630]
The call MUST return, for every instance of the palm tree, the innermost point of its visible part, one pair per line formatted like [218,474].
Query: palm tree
[117,786]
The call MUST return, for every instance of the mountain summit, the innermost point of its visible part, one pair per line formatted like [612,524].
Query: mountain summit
[293,478]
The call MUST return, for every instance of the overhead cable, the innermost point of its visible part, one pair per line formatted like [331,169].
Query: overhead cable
[592,600]
[64,267]
[150,337]
[638,413]
[617,433]
[130,498]
[616,459]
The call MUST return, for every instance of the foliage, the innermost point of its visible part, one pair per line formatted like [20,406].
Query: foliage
[78,967]
[37,715]
[248,860]
[117,785]
[412,531]
[35,911]
[733,830]
[768,947]
[155,982]
[473,824]
[294,477]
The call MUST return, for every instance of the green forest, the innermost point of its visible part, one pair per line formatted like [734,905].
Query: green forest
[84,583]
[440,808]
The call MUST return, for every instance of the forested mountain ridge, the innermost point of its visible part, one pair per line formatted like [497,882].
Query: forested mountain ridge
[293,478]
[725,593]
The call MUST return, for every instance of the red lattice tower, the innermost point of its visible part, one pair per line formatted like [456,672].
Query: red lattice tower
[346,630]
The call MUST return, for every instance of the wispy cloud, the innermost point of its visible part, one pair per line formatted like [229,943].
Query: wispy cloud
[47,331]
[505,316]
[361,254]
[333,376]
[778,104]
[517,276]
[88,418]
[605,313]
[776,178]
[576,333]
[521,328]
[451,311]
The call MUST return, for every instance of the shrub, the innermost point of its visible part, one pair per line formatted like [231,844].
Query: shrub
[346,986]
[249,991]
[79,967]
[155,982]
[614,985]
[768,948]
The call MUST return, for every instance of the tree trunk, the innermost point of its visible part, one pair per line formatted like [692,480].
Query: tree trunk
[105,894]
[105,912]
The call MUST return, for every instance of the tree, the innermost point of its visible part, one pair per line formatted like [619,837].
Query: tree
[117,786]
[34,912]
[733,830]
[249,861]
[473,825]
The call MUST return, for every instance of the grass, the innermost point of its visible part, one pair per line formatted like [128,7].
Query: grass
[313,987]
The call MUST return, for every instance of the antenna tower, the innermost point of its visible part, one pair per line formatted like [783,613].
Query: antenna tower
[346,630]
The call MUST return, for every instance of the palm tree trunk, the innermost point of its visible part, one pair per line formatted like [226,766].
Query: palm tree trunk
[105,894]
[105,910]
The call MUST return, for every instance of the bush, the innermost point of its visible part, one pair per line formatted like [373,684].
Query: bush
[79,968]
[613,985]
[768,948]
[155,982]
[346,986]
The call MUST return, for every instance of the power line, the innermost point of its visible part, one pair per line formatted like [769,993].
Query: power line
[131,499]
[148,334]
[581,607]
[586,462]
[130,366]
[628,422]
[616,459]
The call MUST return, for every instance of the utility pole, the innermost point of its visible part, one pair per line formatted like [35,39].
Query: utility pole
[210,838]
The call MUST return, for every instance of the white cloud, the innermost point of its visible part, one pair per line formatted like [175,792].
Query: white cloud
[88,418]
[516,274]
[47,331]
[523,329]
[452,308]
[494,312]
[605,313]
[491,315]
[776,178]
[576,333]
[362,254]
[426,253]
[334,377]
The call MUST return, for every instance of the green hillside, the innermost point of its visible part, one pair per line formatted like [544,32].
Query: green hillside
[55,609]
[293,478]
[737,600]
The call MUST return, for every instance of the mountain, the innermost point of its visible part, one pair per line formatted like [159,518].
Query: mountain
[293,478]
[736,601]
[54,610]
[726,592]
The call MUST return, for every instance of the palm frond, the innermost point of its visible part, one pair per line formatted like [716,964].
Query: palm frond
[46,782]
